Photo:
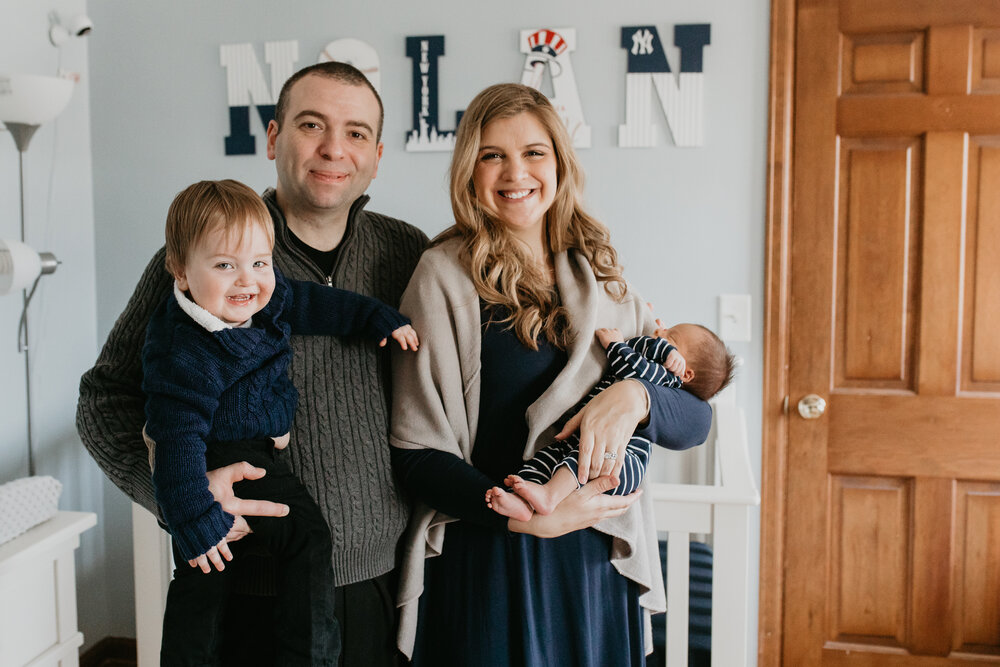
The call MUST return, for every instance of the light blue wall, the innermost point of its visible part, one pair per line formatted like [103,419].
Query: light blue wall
[689,223]
[60,219]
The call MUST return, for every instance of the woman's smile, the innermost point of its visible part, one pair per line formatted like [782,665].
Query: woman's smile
[515,176]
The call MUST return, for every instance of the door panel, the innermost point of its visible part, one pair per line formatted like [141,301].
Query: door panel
[870,525]
[986,61]
[882,63]
[877,244]
[892,550]
[981,363]
[979,574]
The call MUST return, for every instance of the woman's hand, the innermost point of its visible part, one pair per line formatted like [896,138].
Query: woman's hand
[580,509]
[606,423]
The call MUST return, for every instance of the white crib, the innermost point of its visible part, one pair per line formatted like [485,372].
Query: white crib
[718,508]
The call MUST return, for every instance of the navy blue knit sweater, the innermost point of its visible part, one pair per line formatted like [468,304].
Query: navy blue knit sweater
[232,384]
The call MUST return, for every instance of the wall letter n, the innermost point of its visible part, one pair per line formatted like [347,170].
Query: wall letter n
[682,101]
[245,82]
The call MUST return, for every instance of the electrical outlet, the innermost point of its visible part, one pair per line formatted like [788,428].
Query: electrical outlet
[734,317]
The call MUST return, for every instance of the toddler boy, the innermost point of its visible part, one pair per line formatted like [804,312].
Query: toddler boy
[215,373]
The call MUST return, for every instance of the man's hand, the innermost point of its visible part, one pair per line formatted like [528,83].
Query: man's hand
[239,530]
[220,483]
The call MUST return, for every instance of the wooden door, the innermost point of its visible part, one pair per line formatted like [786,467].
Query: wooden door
[892,532]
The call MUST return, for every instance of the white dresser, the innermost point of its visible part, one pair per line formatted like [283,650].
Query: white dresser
[38,594]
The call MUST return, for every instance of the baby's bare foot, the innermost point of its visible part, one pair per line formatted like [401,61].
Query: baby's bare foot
[534,493]
[508,504]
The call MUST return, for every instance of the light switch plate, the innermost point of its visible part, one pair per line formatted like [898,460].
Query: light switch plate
[734,317]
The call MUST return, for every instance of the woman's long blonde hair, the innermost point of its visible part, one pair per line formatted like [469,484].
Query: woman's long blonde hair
[502,270]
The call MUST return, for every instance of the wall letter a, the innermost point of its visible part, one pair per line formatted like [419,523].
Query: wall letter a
[548,50]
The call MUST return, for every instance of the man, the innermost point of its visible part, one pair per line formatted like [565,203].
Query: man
[326,144]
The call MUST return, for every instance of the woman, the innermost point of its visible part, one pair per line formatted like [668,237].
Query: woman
[506,303]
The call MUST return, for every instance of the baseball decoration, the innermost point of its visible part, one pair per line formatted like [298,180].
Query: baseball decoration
[548,50]
[355,52]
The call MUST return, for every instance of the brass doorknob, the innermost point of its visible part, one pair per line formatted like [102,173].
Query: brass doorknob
[812,406]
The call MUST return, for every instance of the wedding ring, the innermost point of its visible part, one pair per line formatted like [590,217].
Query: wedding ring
[610,455]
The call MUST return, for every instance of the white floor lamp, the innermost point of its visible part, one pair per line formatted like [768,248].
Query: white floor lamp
[27,101]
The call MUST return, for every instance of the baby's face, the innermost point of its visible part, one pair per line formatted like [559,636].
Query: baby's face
[685,337]
[230,276]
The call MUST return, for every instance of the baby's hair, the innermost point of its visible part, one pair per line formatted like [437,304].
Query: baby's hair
[714,365]
[204,206]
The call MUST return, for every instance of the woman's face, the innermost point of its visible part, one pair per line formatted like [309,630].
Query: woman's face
[515,174]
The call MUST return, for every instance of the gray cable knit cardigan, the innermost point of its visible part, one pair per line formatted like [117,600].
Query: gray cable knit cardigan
[339,436]
[436,404]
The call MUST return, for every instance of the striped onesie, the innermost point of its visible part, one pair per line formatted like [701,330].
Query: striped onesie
[639,357]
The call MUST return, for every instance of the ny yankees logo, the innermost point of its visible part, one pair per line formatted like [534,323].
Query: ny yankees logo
[681,98]
[642,42]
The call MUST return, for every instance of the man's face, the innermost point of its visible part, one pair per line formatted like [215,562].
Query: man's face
[326,151]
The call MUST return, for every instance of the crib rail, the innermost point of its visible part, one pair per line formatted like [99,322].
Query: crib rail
[721,510]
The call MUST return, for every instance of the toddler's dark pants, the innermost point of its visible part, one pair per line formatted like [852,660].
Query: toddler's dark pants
[305,628]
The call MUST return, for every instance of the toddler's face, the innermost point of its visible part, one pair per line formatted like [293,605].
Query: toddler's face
[229,275]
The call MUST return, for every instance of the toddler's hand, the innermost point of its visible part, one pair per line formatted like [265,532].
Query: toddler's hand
[405,336]
[608,336]
[675,363]
[281,441]
[213,555]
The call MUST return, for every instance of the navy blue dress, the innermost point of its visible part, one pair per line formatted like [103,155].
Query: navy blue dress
[496,598]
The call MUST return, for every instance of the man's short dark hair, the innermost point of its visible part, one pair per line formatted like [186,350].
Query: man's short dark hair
[337,71]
